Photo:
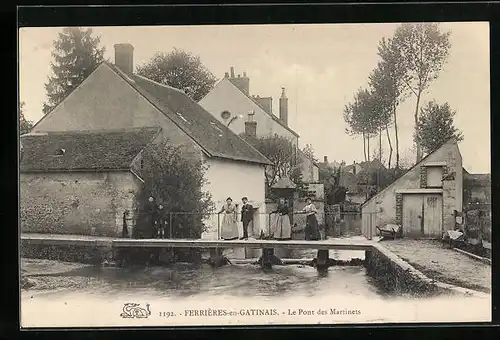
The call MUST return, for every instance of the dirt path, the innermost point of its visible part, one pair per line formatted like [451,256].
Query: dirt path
[443,264]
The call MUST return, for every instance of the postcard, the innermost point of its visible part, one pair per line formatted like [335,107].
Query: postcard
[254,174]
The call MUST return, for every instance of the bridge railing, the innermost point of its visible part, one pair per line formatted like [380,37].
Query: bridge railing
[208,225]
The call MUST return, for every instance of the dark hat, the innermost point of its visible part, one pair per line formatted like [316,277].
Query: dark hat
[244,198]
[229,198]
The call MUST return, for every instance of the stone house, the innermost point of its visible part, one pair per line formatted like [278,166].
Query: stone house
[231,103]
[80,182]
[424,200]
[114,97]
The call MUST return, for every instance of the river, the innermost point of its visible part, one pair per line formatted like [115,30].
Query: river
[73,295]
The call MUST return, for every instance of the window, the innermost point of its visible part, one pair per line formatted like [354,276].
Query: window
[225,115]
[59,152]
[434,177]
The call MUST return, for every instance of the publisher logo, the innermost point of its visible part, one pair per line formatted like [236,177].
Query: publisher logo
[135,311]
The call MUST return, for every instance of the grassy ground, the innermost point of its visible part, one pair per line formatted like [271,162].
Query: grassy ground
[443,264]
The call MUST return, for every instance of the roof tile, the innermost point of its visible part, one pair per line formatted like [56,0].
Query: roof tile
[84,150]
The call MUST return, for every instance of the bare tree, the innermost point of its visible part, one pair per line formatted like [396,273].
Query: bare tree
[423,51]
[308,150]
[387,81]
[282,154]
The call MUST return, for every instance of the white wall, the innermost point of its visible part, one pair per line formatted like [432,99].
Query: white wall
[227,97]
[310,172]
[233,179]
[381,208]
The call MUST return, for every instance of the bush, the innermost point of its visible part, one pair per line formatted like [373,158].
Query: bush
[175,180]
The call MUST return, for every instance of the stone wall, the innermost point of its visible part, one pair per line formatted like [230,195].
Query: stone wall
[83,203]
[392,274]
[80,254]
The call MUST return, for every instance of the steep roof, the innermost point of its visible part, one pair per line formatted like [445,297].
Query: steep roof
[284,183]
[216,139]
[276,119]
[450,141]
[84,150]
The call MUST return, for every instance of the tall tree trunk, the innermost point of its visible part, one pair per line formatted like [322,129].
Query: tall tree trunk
[364,145]
[417,143]
[380,144]
[368,146]
[396,135]
[390,145]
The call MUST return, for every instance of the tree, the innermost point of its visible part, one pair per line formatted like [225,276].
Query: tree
[76,54]
[423,51]
[283,155]
[435,126]
[181,70]
[176,182]
[308,150]
[361,117]
[387,82]
[24,124]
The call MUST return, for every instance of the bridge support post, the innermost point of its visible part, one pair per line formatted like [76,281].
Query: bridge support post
[217,259]
[322,259]
[268,259]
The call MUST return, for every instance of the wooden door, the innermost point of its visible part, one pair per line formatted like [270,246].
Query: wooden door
[412,215]
[433,215]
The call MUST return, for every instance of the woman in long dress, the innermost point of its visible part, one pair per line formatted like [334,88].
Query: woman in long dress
[312,228]
[229,226]
[282,228]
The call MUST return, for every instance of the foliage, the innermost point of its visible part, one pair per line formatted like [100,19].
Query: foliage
[362,117]
[330,177]
[176,182]
[24,124]
[423,51]
[181,70]
[435,126]
[387,84]
[76,54]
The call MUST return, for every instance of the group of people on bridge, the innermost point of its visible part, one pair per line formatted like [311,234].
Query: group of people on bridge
[279,224]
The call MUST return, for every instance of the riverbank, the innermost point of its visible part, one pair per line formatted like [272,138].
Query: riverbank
[442,264]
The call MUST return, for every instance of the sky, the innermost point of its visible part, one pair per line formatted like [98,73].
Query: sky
[321,67]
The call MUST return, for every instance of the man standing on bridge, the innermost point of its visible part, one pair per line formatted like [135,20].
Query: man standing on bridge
[246,217]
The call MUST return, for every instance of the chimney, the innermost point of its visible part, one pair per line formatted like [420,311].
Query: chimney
[284,107]
[243,83]
[124,57]
[266,103]
[325,159]
[251,126]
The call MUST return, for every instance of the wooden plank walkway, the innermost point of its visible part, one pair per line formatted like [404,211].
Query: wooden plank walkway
[339,244]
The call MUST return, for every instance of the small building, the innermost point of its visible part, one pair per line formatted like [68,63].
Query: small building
[230,102]
[80,182]
[423,200]
[114,97]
